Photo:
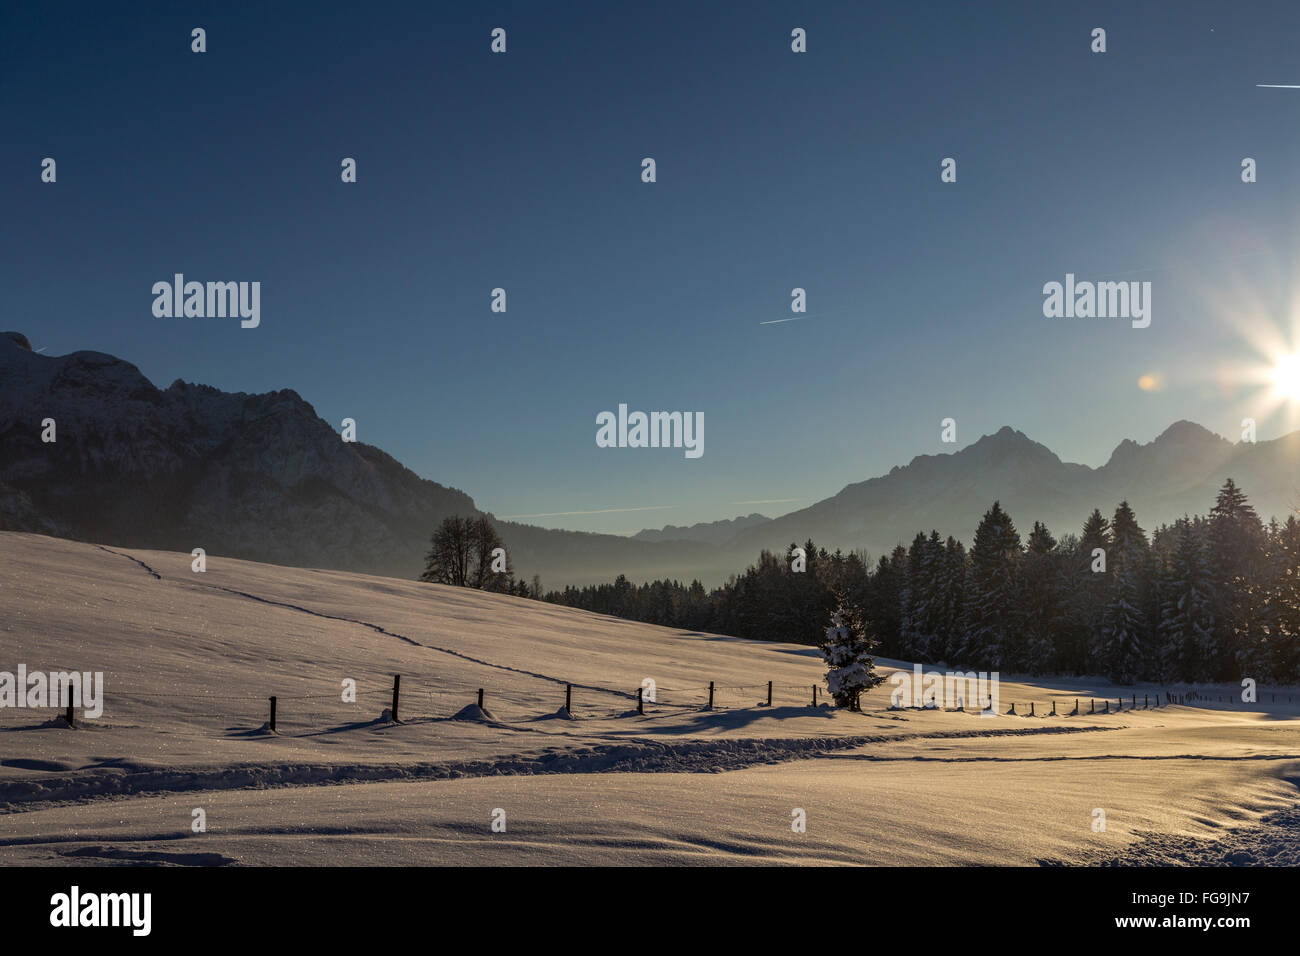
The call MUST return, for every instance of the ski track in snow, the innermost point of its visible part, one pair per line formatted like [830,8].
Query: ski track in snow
[124,779]
[122,554]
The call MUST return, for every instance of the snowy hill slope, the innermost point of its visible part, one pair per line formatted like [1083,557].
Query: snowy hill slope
[190,659]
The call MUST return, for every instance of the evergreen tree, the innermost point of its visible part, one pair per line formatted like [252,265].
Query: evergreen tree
[1090,588]
[1285,597]
[886,601]
[992,606]
[1044,609]
[1124,623]
[1096,533]
[1186,627]
[950,583]
[1270,646]
[1236,539]
[846,648]
[918,601]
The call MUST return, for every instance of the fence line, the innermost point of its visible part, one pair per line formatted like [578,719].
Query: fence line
[713,696]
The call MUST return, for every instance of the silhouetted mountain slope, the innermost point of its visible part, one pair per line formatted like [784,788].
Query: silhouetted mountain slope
[261,477]
[255,476]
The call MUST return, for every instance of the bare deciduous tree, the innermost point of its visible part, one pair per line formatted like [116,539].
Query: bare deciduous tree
[461,553]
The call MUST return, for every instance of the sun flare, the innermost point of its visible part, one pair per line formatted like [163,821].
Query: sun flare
[1286,377]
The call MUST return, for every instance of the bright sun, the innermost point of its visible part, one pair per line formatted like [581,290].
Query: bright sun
[1286,376]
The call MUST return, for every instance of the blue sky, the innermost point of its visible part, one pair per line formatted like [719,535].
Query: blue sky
[775,170]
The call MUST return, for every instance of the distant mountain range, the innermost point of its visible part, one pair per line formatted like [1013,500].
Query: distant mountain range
[1178,473]
[712,532]
[263,477]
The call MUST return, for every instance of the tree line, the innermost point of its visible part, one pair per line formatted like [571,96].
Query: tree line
[1207,598]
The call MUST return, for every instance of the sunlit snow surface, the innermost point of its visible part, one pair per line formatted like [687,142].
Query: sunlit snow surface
[189,660]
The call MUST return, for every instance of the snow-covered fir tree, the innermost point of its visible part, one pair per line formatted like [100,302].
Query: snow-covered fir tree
[1186,627]
[1237,549]
[846,648]
[921,600]
[1285,596]
[992,598]
[1124,622]
[1092,581]
[1268,642]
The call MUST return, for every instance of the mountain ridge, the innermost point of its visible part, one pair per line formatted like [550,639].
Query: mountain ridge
[1176,473]
[263,477]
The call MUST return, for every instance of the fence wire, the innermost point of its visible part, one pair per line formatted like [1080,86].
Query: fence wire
[423,698]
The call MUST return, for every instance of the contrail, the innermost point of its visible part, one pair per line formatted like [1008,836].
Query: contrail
[1278,86]
[815,315]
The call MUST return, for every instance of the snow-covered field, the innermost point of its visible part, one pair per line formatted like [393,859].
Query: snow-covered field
[189,660]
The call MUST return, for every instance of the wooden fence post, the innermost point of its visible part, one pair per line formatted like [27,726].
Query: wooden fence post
[1107,710]
[1013,708]
[272,724]
[1031,709]
[1092,705]
[568,698]
[769,693]
[710,695]
[397,689]
[480,698]
[640,699]
[71,718]
[1053,713]
[814,695]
